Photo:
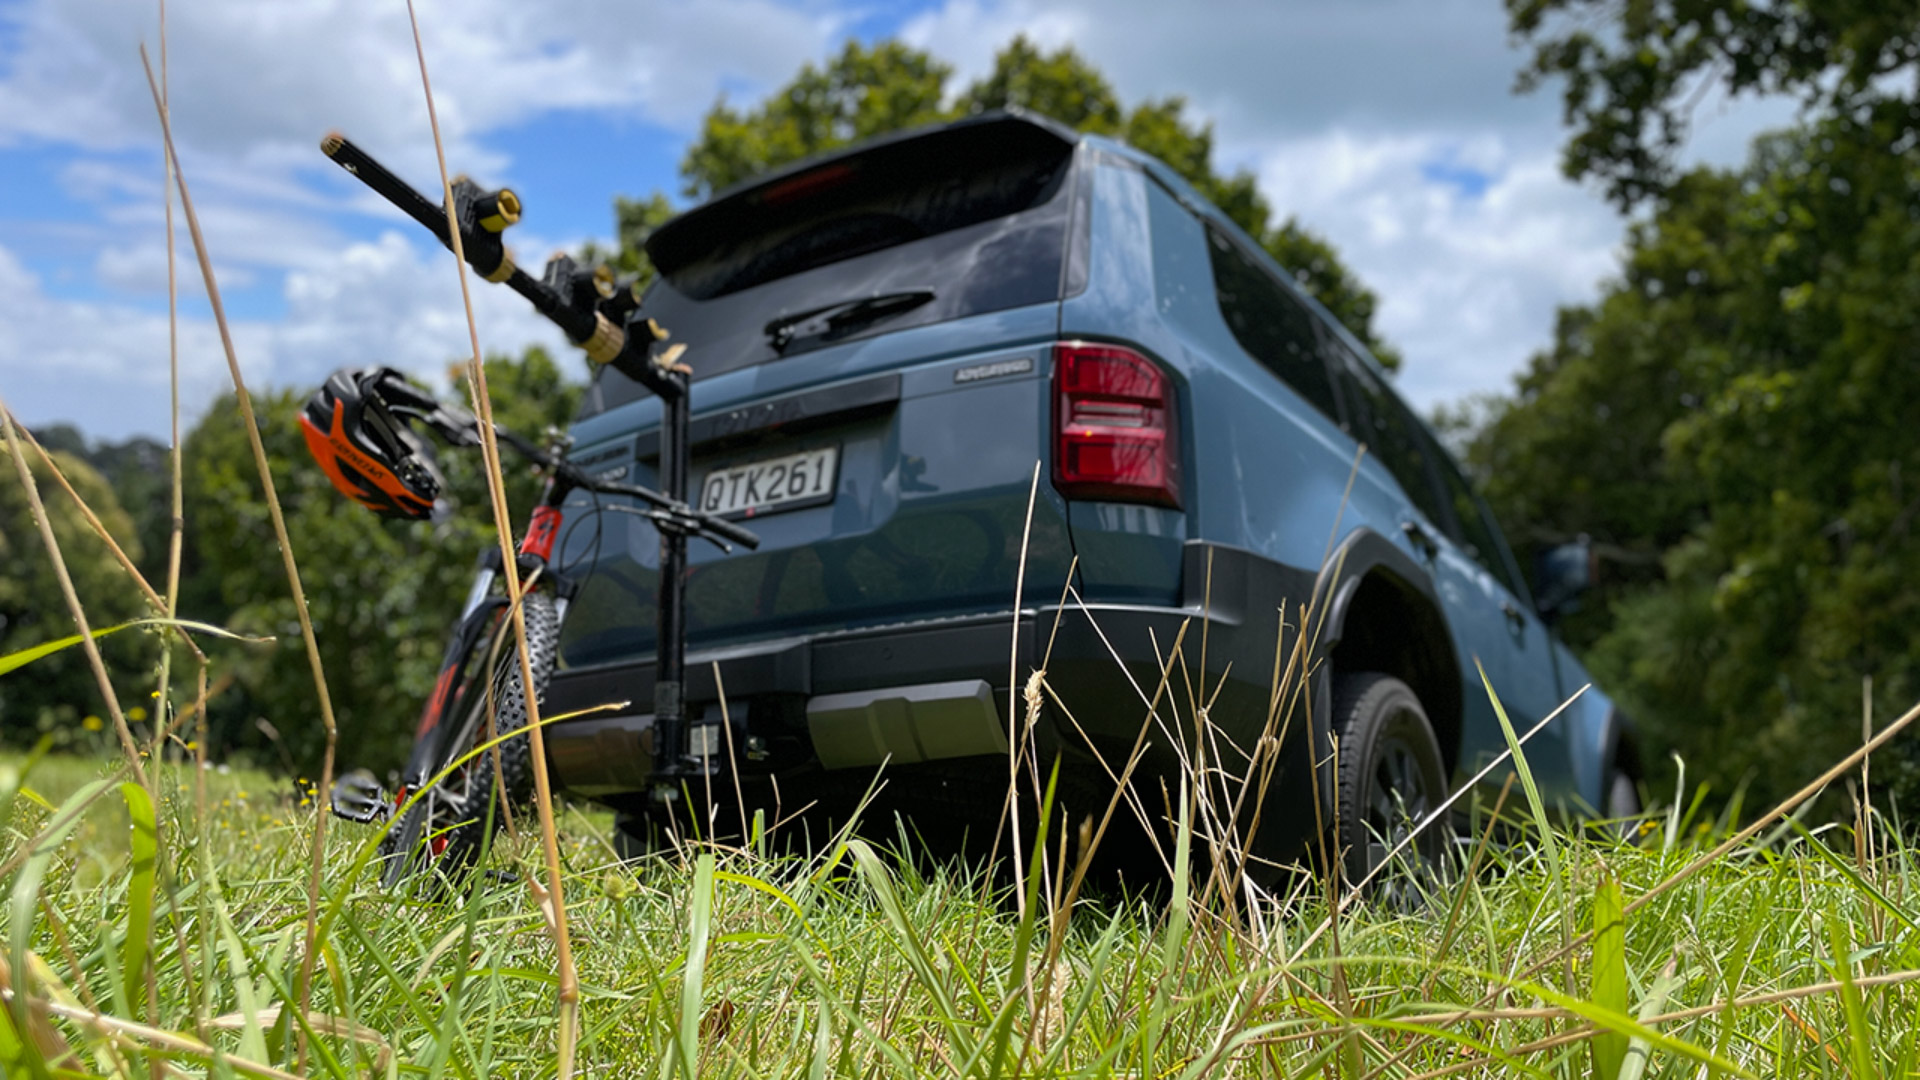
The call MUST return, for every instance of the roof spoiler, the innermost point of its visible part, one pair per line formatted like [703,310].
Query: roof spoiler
[684,237]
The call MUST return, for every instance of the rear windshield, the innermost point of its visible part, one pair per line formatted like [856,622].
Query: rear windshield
[959,221]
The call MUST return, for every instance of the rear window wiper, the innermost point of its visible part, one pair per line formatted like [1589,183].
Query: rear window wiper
[836,320]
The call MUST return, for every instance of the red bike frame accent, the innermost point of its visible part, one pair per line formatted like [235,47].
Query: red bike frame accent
[541,532]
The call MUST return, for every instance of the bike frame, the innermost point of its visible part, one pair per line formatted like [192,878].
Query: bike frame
[600,320]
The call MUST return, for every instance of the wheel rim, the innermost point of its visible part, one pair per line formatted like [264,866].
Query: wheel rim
[1399,797]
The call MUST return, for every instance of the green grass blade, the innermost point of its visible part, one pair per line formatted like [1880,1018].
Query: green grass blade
[1609,973]
[1852,874]
[20,916]
[874,872]
[1859,1034]
[1173,942]
[1655,1003]
[1620,1023]
[26,656]
[772,890]
[699,929]
[144,841]
[1535,803]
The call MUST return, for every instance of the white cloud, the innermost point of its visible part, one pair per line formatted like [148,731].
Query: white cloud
[260,83]
[104,366]
[1468,283]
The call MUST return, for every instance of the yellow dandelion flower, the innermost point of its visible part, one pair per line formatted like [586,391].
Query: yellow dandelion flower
[93,723]
[136,713]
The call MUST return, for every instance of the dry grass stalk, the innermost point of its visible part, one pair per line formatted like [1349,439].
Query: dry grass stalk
[245,402]
[79,613]
[568,995]
[118,1032]
[1014,743]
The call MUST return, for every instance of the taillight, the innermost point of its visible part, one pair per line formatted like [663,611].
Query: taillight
[1114,426]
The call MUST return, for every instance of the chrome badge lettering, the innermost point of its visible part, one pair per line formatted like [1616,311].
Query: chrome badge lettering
[1019,365]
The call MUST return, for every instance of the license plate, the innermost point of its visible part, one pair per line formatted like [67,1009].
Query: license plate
[782,483]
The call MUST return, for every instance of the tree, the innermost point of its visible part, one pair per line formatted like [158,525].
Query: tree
[866,91]
[1733,414]
[1634,72]
[859,94]
[382,594]
[58,695]
[1738,405]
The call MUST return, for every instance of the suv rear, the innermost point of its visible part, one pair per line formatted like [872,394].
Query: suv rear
[889,345]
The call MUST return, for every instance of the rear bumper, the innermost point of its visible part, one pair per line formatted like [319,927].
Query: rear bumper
[838,703]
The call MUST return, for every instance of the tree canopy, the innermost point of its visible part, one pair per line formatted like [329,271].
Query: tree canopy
[1634,72]
[59,697]
[1732,417]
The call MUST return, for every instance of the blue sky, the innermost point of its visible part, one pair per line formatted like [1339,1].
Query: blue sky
[1387,126]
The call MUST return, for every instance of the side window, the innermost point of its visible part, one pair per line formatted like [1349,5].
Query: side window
[1472,529]
[1272,326]
[1391,433]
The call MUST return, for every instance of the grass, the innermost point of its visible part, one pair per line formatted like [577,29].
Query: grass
[1780,959]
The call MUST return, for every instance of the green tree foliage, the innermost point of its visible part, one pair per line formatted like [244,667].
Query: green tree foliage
[1733,419]
[865,92]
[57,695]
[859,94]
[1635,71]
[382,595]
[141,475]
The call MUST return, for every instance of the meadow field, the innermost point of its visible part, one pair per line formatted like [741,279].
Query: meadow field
[1664,953]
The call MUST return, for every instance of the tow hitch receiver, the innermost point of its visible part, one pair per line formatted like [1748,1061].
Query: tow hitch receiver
[358,797]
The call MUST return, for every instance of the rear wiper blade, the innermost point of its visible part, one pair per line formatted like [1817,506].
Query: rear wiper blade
[844,317]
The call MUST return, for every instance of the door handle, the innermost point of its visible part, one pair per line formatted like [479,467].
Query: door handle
[1515,617]
[1420,539]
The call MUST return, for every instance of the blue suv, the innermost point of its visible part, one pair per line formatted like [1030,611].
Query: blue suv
[887,343]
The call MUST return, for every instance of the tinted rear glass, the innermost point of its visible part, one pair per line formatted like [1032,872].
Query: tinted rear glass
[1271,325]
[975,214]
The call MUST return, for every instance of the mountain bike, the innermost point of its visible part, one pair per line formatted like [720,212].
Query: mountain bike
[360,428]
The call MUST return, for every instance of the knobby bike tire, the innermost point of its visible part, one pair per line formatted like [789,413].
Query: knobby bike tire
[455,813]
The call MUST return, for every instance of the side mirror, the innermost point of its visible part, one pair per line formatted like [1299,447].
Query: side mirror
[1564,572]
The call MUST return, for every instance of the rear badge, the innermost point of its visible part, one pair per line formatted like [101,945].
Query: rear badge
[1019,365]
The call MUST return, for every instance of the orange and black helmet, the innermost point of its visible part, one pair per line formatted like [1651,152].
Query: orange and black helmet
[368,453]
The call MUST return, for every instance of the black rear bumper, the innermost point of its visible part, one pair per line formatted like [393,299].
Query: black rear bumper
[1102,664]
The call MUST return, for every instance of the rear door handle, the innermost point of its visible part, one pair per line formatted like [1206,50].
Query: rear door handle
[1420,539]
[1515,617]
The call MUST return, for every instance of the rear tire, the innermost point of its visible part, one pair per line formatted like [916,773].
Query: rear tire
[1390,777]
[457,811]
[1623,808]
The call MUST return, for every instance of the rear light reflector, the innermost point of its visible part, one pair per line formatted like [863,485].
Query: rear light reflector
[1115,436]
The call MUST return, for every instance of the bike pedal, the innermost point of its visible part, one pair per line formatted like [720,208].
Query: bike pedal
[358,797]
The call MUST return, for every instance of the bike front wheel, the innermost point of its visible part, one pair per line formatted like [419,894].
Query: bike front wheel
[447,826]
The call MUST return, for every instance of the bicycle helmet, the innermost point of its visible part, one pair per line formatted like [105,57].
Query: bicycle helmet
[368,453]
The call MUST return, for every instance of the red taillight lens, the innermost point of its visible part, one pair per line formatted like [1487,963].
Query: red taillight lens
[1114,426]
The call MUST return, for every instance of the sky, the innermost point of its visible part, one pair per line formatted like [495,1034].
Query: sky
[1390,127]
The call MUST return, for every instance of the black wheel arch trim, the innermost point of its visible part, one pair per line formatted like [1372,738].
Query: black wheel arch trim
[1366,555]
[1623,745]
